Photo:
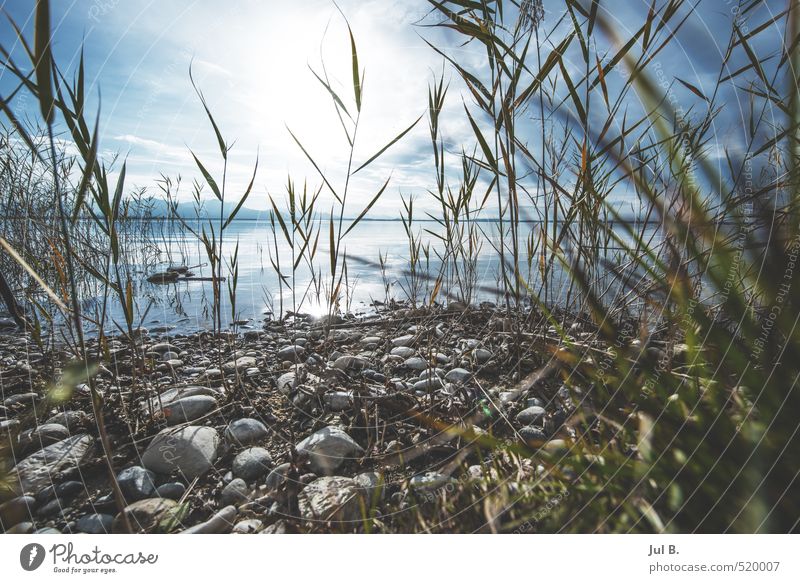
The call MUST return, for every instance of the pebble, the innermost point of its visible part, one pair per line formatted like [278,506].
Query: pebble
[188,409]
[64,491]
[42,436]
[350,363]
[331,498]
[252,463]
[72,420]
[24,398]
[221,522]
[250,526]
[338,400]
[403,351]
[277,477]
[36,471]
[190,451]
[429,384]
[171,490]
[328,449]
[245,431]
[235,493]
[458,376]
[136,483]
[144,515]
[531,415]
[371,483]
[95,524]
[406,340]
[415,363]
[429,481]
[293,353]
[240,364]
[16,510]
[533,436]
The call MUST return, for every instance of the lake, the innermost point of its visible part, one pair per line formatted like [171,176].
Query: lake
[184,306]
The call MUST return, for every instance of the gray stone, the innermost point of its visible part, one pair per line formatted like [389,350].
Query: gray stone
[24,398]
[328,449]
[240,364]
[37,470]
[95,524]
[429,384]
[42,436]
[403,351]
[188,409]
[252,463]
[351,363]
[220,523]
[372,485]
[331,499]
[429,481]
[533,436]
[164,347]
[177,393]
[251,526]
[338,400]
[72,420]
[171,490]
[136,483]
[245,431]
[277,477]
[292,353]
[190,451]
[531,415]
[415,363]
[406,340]
[482,355]
[458,376]
[145,515]
[235,493]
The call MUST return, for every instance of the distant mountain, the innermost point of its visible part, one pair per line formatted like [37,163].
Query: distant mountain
[209,210]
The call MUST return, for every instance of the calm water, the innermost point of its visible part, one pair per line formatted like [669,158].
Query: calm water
[185,305]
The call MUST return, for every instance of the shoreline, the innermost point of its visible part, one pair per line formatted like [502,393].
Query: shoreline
[284,429]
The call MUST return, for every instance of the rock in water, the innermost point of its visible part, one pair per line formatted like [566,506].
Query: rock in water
[328,449]
[190,451]
[245,431]
[332,498]
[36,471]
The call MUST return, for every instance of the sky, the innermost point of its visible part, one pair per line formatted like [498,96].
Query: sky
[251,60]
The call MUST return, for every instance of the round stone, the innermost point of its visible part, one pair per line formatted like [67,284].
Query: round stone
[531,415]
[190,451]
[252,463]
[245,431]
